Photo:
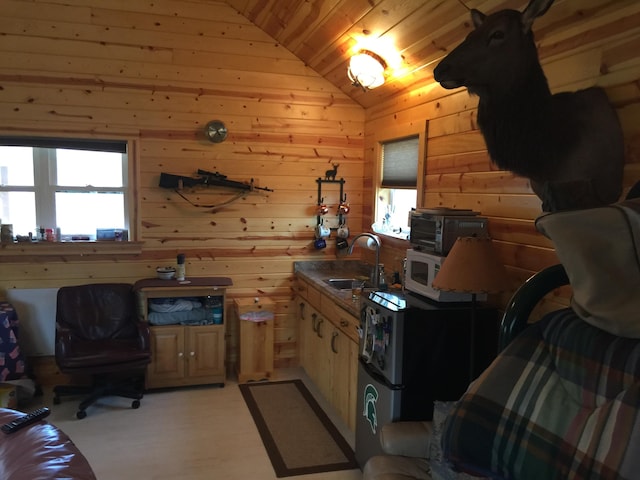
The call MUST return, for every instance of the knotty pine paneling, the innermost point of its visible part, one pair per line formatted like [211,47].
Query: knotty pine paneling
[581,44]
[156,73]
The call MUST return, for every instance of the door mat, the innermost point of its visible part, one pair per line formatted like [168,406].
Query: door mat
[298,436]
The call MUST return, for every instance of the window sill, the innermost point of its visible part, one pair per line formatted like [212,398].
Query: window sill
[69,248]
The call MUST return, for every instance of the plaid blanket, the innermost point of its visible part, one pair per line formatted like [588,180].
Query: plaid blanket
[561,402]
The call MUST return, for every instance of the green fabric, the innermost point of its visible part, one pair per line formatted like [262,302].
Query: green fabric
[561,402]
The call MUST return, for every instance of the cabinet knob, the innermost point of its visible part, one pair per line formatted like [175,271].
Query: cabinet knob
[344,323]
[181,354]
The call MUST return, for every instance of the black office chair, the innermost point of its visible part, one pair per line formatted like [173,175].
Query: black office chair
[98,333]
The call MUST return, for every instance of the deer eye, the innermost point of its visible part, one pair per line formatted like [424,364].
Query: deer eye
[496,35]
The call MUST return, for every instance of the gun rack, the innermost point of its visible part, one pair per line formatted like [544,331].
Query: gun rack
[343,198]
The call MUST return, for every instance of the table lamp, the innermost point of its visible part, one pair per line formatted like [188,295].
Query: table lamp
[472,266]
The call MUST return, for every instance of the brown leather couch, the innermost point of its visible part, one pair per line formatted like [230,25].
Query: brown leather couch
[39,451]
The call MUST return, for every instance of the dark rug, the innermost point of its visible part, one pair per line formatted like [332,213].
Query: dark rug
[298,436]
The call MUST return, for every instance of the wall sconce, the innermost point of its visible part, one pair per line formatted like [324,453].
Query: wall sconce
[366,70]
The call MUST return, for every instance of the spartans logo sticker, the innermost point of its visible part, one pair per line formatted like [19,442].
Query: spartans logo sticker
[369,410]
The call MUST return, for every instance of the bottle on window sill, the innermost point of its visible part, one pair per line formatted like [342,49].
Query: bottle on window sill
[382,282]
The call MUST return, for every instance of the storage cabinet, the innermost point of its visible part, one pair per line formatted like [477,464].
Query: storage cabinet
[185,354]
[329,349]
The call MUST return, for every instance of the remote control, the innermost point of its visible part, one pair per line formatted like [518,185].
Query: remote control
[25,420]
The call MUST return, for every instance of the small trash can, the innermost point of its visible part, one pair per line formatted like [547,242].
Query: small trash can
[256,322]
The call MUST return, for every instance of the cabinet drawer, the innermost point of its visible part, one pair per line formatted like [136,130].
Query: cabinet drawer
[342,319]
[313,296]
[300,287]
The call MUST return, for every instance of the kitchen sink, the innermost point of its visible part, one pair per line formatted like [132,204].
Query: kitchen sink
[345,283]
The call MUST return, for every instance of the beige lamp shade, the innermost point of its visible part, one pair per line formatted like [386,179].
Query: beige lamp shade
[472,266]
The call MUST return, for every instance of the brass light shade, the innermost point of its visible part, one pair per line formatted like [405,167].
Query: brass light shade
[472,266]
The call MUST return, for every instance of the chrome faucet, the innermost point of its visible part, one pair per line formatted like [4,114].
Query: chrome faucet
[376,268]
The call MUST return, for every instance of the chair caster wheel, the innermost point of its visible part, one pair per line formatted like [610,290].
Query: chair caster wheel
[56,400]
[81,414]
[135,404]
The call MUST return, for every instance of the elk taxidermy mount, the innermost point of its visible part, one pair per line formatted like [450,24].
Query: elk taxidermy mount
[570,144]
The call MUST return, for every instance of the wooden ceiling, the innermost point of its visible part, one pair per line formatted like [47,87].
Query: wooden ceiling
[325,33]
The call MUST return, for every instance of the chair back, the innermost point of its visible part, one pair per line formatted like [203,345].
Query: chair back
[98,311]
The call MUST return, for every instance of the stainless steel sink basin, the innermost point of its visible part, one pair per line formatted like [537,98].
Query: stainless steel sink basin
[345,283]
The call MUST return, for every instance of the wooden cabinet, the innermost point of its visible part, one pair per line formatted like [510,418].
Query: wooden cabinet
[185,354]
[329,349]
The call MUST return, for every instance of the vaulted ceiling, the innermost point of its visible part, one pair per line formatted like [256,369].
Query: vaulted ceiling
[324,34]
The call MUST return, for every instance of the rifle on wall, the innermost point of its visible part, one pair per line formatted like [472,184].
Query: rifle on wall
[207,179]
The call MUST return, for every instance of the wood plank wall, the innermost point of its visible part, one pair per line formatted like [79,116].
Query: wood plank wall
[599,47]
[155,73]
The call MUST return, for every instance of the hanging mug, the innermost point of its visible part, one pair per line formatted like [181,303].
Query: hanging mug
[323,209]
[343,231]
[343,208]
[322,231]
[320,243]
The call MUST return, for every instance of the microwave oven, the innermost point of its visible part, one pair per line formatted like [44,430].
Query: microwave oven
[436,230]
[421,269]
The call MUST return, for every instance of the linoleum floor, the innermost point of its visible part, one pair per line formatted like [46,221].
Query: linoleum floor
[195,433]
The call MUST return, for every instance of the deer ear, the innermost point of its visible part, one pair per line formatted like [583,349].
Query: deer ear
[535,9]
[477,17]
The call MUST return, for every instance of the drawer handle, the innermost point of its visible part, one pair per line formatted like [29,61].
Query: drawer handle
[333,342]
[314,327]
[318,330]
[344,323]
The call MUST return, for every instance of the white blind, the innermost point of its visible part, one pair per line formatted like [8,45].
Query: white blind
[400,163]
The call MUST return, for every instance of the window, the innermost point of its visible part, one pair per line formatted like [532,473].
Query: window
[397,193]
[77,186]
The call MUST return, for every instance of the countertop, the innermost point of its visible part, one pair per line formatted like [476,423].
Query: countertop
[317,272]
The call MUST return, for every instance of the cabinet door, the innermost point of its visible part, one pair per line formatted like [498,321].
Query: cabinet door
[322,358]
[205,348]
[167,356]
[344,352]
[308,318]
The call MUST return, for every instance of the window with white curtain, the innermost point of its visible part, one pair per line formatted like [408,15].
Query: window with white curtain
[397,193]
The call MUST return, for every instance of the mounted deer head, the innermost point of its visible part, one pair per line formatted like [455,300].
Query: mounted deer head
[570,145]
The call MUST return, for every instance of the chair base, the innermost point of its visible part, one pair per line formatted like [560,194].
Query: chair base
[102,386]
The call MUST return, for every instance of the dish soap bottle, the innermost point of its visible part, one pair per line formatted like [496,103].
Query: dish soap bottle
[180,267]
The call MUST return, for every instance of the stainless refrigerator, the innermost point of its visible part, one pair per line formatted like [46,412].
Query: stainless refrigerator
[412,352]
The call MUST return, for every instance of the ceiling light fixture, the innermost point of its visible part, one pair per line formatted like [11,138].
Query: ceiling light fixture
[366,70]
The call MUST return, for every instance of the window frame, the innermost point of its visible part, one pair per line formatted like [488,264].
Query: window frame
[129,190]
[390,134]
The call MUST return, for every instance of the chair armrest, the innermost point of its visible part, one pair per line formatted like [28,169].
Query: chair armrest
[144,336]
[409,439]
